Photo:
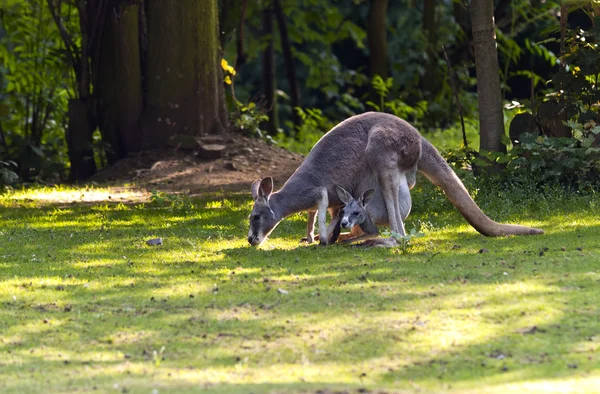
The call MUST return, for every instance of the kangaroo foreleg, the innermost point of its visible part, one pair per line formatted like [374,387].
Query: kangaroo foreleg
[322,206]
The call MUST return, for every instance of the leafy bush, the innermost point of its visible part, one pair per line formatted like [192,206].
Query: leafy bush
[314,125]
[396,106]
[34,86]
[7,174]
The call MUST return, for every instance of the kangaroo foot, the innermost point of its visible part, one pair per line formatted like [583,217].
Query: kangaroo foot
[308,240]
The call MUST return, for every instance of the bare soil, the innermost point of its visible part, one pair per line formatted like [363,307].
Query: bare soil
[180,170]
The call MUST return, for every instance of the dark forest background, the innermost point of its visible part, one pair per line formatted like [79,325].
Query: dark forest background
[84,83]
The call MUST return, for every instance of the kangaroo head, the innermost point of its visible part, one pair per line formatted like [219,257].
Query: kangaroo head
[354,212]
[262,218]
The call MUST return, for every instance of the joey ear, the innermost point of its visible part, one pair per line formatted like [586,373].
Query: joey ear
[342,194]
[367,196]
[266,187]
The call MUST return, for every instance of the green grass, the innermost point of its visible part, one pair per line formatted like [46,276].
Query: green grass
[87,306]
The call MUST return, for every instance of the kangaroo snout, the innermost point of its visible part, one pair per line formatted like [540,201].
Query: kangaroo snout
[253,240]
[345,223]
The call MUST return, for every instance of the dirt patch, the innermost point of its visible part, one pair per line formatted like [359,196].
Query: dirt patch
[181,170]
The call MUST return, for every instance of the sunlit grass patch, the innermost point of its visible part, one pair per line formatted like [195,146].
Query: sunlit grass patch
[66,194]
[88,306]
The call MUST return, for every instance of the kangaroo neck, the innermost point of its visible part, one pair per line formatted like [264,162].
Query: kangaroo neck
[287,202]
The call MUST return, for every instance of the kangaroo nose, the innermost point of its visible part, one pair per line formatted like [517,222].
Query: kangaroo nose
[344,223]
[253,240]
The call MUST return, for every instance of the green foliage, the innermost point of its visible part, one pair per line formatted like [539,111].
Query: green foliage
[404,240]
[573,161]
[7,173]
[396,106]
[34,88]
[566,161]
[314,125]
[248,118]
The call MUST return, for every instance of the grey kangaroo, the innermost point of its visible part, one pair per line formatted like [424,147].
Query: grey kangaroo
[369,211]
[367,149]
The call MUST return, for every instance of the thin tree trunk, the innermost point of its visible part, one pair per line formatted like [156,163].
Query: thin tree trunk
[241,55]
[79,141]
[429,20]
[269,85]
[491,118]
[289,61]
[564,16]
[185,88]
[377,39]
[120,81]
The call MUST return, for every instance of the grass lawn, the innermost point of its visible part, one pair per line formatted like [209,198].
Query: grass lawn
[87,306]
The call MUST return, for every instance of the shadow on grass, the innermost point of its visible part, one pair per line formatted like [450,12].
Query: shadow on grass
[75,297]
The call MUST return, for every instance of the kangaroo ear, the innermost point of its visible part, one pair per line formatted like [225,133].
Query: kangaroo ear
[266,187]
[255,186]
[342,194]
[367,196]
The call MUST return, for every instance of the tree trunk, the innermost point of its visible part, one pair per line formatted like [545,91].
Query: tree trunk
[79,141]
[377,41]
[491,118]
[241,54]
[429,20]
[288,58]
[376,35]
[120,81]
[269,85]
[185,88]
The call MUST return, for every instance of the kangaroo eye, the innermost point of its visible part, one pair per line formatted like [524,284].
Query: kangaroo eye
[256,218]
[354,213]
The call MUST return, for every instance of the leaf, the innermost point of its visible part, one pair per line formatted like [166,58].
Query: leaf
[4,110]
[37,150]
[375,106]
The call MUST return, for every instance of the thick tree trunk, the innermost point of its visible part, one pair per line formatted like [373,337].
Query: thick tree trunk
[120,81]
[79,141]
[288,58]
[491,118]
[377,41]
[269,85]
[185,88]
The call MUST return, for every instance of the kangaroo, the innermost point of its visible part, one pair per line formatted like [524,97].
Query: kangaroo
[362,220]
[369,211]
[367,149]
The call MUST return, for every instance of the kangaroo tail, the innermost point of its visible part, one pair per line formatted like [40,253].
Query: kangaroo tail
[435,168]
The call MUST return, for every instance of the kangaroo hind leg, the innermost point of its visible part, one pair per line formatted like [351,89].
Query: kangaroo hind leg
[390,183]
